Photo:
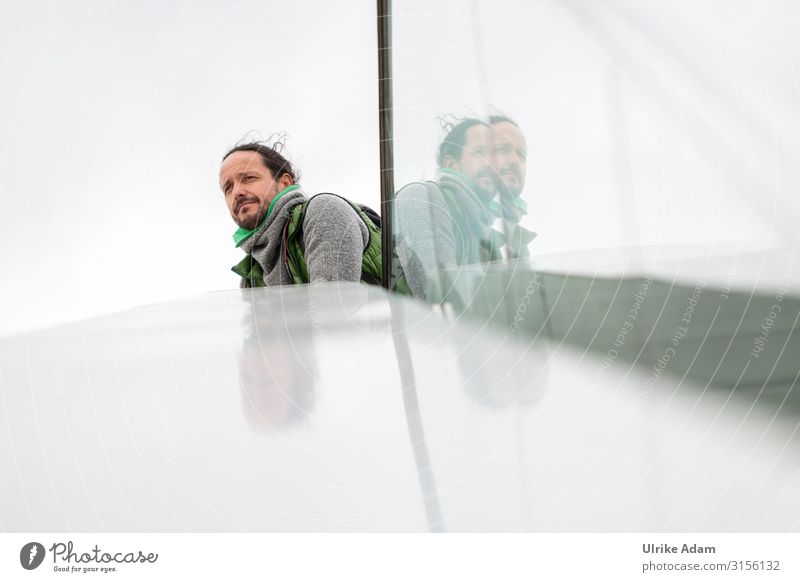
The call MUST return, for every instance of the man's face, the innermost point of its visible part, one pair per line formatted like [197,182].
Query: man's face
[474,162]
[249,187]
[509,152]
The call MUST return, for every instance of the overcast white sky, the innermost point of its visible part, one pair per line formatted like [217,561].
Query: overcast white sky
[115,115]
[647,124]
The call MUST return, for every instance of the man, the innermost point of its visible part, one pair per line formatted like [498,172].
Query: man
[289,237]
[447,223]
[509,154]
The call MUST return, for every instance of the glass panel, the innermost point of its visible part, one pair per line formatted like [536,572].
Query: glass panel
[624,141]
[636,135]
[615,182]
[617,178]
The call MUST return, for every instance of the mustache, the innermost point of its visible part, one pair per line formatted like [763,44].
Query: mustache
[239,203]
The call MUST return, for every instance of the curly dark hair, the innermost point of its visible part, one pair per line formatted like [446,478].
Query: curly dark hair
[271,156]
[453,142]
[500,119]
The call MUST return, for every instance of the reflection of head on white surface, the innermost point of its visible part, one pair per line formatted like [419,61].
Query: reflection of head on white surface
[276,374]
[506,374]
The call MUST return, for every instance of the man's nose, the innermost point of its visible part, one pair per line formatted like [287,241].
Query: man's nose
[239,191]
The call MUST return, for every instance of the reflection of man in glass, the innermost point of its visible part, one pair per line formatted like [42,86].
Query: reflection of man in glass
[508,156]
[277,371]
[448,223]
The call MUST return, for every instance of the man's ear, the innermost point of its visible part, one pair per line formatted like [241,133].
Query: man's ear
[451,163]
[285,181]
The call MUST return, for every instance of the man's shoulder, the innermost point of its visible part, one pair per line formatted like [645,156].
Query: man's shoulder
[426,191]
[327,208]
[327,202]
[327,212]
[330,215]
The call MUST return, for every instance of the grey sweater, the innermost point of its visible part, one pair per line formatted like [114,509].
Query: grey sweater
[333,239]
[430,238]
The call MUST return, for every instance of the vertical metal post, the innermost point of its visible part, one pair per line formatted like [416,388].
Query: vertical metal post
[386,133]
[416,429]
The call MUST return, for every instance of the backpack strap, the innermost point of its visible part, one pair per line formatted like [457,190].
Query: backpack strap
[292,252]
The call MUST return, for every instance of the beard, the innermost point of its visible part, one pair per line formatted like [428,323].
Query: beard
[507,196]
[511,181]
[256,212]
[253,217]
[483,186]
